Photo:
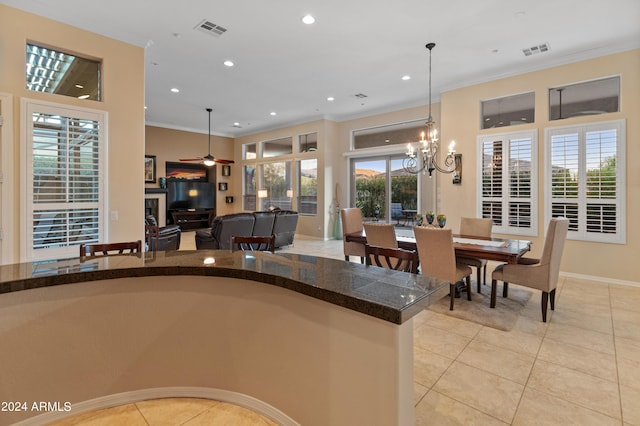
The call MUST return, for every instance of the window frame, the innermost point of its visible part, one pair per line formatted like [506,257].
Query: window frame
[292,159]
[299,196]
[27,205]
[582,234]
[505,138]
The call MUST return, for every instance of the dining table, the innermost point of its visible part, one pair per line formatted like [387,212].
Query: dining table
[492,248]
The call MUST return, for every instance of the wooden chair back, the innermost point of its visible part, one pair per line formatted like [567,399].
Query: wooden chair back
[392,258]
[108,249]
[253,243]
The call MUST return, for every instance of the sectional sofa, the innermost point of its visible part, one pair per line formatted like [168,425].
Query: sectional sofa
[281,223]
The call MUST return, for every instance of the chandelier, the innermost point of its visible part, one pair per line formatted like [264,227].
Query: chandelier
[423,156]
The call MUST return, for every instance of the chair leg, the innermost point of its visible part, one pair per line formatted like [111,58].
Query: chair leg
[552,299]
[478,273]
[452,292]
[494,287]
[505,289]
[484,275]
[468,287]
[543,305]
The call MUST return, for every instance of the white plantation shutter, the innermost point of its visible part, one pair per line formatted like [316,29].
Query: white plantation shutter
[585,179]
[492,180]
[64,155]
[520,183]
[507,191]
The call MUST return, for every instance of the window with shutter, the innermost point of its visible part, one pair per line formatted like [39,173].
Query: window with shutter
[585,179]
[64,185]
[507,191]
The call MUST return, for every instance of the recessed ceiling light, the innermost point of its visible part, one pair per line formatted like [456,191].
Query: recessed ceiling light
[83,96]
[236,124]
[79,86]
[331,99]
[308,19]
[406,77]
[175,90]
[273,113]
[228,63]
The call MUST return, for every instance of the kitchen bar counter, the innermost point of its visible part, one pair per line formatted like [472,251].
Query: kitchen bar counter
[387,295]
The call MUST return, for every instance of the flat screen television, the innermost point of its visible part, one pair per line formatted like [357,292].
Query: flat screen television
[190,195]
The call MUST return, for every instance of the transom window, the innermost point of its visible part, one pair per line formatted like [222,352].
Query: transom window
[53,71]
[508,111]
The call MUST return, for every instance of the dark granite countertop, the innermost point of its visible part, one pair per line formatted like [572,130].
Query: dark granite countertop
[388,295]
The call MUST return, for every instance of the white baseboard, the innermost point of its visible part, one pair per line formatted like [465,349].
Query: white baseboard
[602,280]
[170,392]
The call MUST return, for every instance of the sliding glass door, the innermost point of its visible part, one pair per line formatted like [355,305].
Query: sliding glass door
[383,190]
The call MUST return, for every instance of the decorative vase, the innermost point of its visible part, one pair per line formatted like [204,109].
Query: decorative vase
[442,220]
[419,220]
[430,216]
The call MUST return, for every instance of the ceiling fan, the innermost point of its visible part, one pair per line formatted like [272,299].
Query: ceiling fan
[208,160]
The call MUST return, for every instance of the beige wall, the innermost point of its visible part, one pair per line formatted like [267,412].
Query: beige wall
[461,121]
[172,145]
[123,89]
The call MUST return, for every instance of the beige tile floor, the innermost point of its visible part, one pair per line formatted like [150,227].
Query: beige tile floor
[582,367]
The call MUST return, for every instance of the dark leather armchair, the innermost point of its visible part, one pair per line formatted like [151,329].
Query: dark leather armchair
[161,238]
[222,229]
[284,227]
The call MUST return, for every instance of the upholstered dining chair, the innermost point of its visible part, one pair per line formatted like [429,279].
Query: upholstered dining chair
[381,235]
[253,243]
[391,258]
[352,223]
[438,259]
[108,249]
[541,274]
[475,227]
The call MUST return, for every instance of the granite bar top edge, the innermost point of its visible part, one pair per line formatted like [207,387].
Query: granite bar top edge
[371,298]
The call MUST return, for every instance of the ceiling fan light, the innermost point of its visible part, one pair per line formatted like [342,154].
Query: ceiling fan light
[209,160]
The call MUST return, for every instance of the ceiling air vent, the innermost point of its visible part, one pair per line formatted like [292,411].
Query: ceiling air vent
[360,95]
[541,48]
[209,27]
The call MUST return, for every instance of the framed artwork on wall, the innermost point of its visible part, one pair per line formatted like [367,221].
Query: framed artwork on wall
[150,169]
[222,186]
[195,172]
[226,170]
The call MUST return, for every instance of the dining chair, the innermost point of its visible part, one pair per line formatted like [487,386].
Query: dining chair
[391,258]
[352,223]
[438,259]
[381,235]
[253,243]
[541,274]
[108,249]
[475,227]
